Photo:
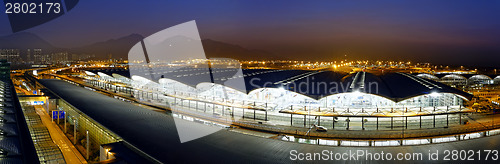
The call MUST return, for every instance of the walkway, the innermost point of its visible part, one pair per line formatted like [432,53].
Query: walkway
[71,154]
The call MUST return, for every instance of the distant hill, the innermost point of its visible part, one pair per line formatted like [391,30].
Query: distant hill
[120,47]
[215,49]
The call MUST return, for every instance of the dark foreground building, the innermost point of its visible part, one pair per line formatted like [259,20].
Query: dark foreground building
[16,145]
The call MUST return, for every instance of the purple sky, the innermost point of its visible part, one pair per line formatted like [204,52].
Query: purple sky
[448,31]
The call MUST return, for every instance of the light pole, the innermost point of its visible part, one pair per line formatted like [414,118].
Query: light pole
[65,129]
[74,131]
[404,126]
[88,144]
[58,116]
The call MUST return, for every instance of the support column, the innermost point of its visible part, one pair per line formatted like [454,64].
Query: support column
[459,118]
[291,119]
[392,123]
[377,122]
[333,123]
[362,123]
[420,122]
[434,121]
[253,114]
[304,120]
[65,127]
[348,121]
[447,122]
[406,122]
[58,116]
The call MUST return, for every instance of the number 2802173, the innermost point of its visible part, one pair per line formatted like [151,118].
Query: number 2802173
[32,8]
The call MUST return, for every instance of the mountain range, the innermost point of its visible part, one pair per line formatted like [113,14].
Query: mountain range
[118,48]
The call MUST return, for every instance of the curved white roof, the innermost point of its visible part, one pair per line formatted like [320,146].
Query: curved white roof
[90,73]
[428,76]
[480,77]
[117,76]
[454,77]
[103,75]
[141,79]
[271,89]
[394,86]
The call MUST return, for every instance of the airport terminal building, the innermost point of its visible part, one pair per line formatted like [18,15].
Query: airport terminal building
[298,98]
[357,108]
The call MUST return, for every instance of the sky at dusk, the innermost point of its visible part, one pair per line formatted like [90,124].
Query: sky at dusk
[447,31]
